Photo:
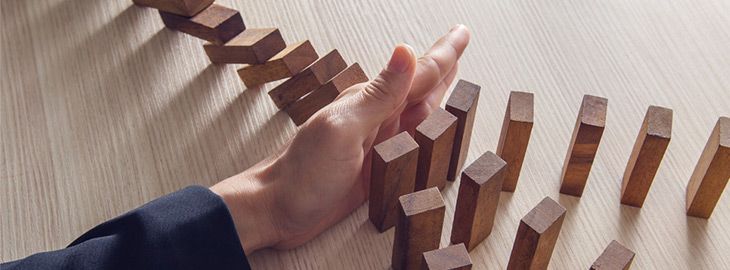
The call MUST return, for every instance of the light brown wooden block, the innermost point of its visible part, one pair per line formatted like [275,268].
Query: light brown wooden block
[614,257]
[420,218]
[478,198]
[301,110]
[311,78]
[216,23]
[453,257]
[252,46]
[536,236]
[711,173]
[462,103]
[284,64]
[187,8]
[649,148]
[584,145]
[435,136]
[393,174]
[516,130]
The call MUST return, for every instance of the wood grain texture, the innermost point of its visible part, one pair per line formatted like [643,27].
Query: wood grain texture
[288,62]
[420,217]
[311,78]
[454,257]
[614,257]
[435,137]
[462,103]
[583,146]
[252,46]
[515,135]
[536,237]
[180,7]
[216,23]
[711,173]
[103,109]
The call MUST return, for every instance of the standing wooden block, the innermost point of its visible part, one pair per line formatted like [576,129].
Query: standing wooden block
[476,204]
[536,236]
[311,78]
[651,143]
[449,258]
[216,23]
[252,46]
[284,64]
[393,174]
[462,103]
[187,8]
[614,257]
[584,144]
[516,130]
[420,218]
[711,172]
[435,136]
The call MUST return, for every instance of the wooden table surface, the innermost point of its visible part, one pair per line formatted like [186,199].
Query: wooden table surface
[103,109]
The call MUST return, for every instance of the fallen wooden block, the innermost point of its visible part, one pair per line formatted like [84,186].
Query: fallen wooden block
[252,46]
[584,145]
[649,148]
[476,204]
[516,130]
[711,173]
[311,78]
[614,257]
[453,257]
[435,137]
[300,111]
[420,218]
[216,23]
[186,8]
[462,103]
[536,236]
[284,64]
[393,174]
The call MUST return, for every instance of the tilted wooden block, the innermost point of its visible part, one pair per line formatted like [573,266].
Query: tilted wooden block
[284,64]
[614,257]
[216,23]
[462,103]
[252,46]
[649,148]
[311,78]
[186,8]
[300,111]
[435,136]
[711,173]
[420,218]
[584,145]
[453,257]
[536,236]
[476,204]
[393,174]
[516,130]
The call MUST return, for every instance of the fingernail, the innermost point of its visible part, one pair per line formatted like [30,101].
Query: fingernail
[456,26]
[400,60]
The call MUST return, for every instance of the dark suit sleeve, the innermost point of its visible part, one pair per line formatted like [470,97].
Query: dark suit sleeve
[188,229]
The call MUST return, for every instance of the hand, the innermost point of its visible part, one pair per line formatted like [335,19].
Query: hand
[323,174]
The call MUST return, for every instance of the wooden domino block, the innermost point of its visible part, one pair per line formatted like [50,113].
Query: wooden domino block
[516,130]
[536,236]
[462,103]
[418,229]
[393,174]
[300,111]
[711,173]
[293,59]
[584,145]
[187,8]
[311,78]
[614,257]
[216,23]
[649,148]
[435,137]
[252,46]
[476,204]
[449,258]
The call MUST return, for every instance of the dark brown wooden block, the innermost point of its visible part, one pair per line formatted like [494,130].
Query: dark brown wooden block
[284,64]
[711,173]
[216,23]
[187,8]
[516,130]
[462,103]
[311,78]
[393,174]
[476,204]
[651,143]
[252,46]
[453,257]
[614,257]
[420,218]
[536,236]
[435,136]
[584,145]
